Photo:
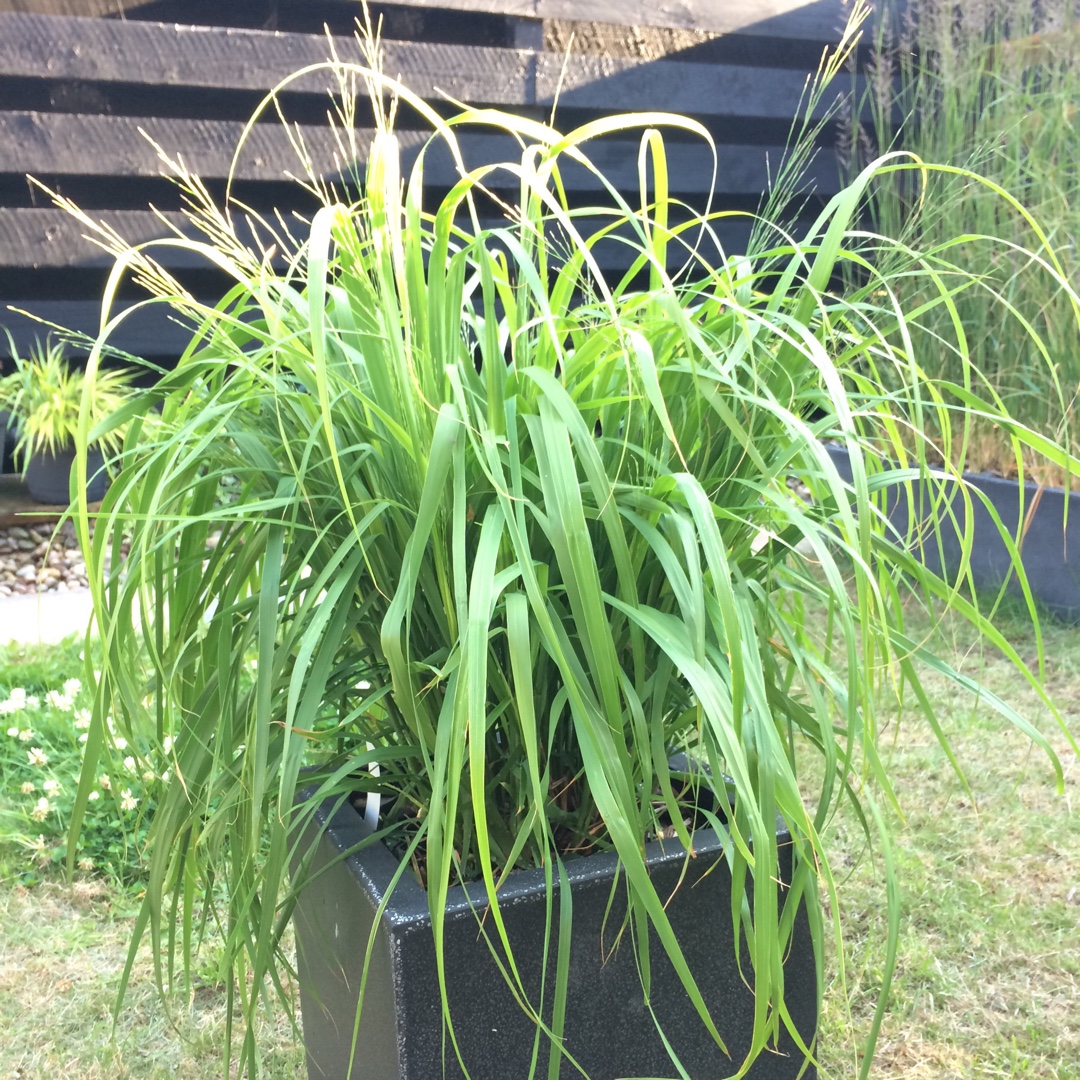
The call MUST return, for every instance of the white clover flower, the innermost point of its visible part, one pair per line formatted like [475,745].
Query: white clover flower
[50,786]
[26,735]
[121,743]
[59,701]
[94,796]
[149,776]
[41,811]
[165,776]
[83,737]
[129,763]
[13,732]
[166,744]
[72,687]
[37,756]
[86,865]
[127,800]
[82,719]
[6,708]
[40,849]
[27,788]
[33,701]
[104,781]
[16,698]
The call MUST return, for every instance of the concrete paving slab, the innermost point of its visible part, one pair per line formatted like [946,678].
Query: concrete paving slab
[45,618]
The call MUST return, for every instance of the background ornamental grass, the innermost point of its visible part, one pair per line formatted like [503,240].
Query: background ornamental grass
[47,394]
[991,86]
[515,530]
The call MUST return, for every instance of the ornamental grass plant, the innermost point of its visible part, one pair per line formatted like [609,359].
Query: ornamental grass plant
[516,530]
[991,88]
[46,395]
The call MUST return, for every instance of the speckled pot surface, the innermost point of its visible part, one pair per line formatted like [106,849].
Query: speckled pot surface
[609,1029]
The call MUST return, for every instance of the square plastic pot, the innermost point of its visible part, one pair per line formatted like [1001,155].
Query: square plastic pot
[1050,550]
[609,1029]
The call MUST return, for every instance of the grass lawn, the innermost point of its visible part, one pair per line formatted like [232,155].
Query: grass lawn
[61,954]
[988,983]
[988,978]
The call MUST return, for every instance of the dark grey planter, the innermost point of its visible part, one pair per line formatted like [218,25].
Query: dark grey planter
[48,477]
[608,1027]
[1051,544]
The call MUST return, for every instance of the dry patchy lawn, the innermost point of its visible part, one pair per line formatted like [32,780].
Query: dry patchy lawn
[988,979]
[61,954]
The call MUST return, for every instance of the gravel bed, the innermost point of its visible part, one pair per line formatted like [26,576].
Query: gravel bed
[41,558]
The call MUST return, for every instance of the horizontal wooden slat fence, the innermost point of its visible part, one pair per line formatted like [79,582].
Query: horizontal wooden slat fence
[783,19]
[83,100]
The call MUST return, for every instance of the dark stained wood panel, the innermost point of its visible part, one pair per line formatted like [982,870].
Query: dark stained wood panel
[151,332]
[90,50]
[51,239]
[156,331]
[59,144]
[47,144]
[79,93]
[817,20]
[808,19]
[38,238]
[90,8]
[46,238]
[168,55]
[623,84]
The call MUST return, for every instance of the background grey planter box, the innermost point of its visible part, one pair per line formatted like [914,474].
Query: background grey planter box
[608,1028]
[48,477]
[1051,543]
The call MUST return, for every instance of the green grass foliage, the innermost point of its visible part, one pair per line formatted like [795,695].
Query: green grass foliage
[515,530]
[994,88]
